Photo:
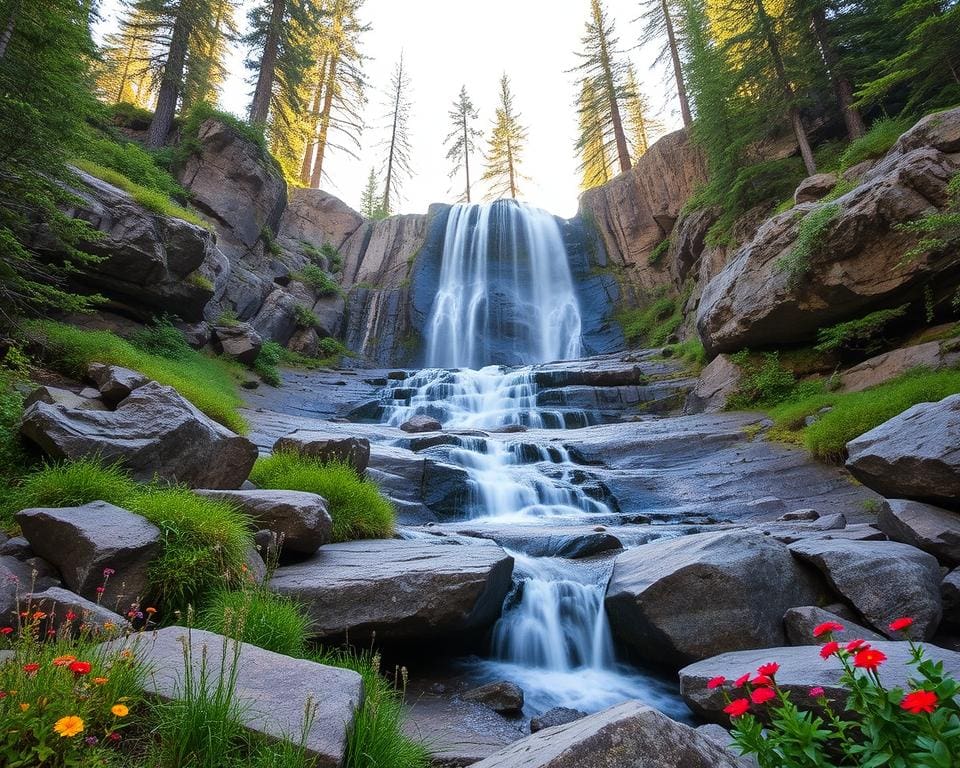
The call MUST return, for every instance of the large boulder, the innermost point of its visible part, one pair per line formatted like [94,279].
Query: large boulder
[629,735]
[883,580]
[799,624]
[717,383]
[933,355]
[501,696]
[801,669]
[301,520]
[316,217]
[326,446]
[915,455]
[856,266]
[233,180]
[115,383]
[237,340]
[417,590]
[82,542]
[153,433]
[66,609]
[924,526]
[815,188]
[272,692]
[696,596]
[421,423]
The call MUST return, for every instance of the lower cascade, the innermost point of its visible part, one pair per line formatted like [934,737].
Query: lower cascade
[506,296]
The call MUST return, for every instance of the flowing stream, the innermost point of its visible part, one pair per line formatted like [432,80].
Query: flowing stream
[506,298]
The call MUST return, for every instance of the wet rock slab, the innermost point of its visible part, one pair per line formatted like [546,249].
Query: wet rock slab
[400,590]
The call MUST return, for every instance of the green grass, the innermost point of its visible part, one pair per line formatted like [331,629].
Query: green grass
[766,382]
[270,356]
[158,202]
[258,617]
[657,254]
[319,281]
[652,324]
[690,351]
[304,317]
[854,413]
[377,739]
[133,162]
[204,540]
[209,383]
[877,141]
[358,509]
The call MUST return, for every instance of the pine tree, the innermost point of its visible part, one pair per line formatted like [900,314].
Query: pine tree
[659,25]
[124,74]
[397,165]
[591,146]
[46,55]
[206,57]
[639,121]
[604,67]
[370,200]
[462,138]
[505,149]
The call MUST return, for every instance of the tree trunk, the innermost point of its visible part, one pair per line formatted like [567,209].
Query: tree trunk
[325,121]
[621,137]
[7,35]
[263,93]
[677,68]
[513,175]
[126,70]
[796,120]
[171,80]
[842,86]
[466,152]
[393,140]
[311,151]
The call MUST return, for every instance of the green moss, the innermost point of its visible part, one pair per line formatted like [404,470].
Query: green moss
[690,351]
[200,113]
[809,239]
[881,137]
[358,509]
[304,317]
[659,252]
[209,383]
[202,282]
[864,334]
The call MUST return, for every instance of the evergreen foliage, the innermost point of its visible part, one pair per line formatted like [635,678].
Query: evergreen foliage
[505,148]
[461,141]
[371,202]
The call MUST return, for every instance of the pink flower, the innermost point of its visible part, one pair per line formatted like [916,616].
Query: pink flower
[108,572]
[816,692]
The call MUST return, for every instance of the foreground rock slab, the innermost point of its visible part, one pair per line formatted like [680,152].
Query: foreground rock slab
[400,590]
[915,455]
[801,669]
[272,691]
[630,735]
[153,433]
[83,541]
[696,596]
[883,580]
[59,604]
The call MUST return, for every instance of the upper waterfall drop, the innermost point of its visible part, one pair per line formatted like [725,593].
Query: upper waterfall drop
[506,295]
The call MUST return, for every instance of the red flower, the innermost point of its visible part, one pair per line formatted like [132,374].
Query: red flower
[741,681]
[762,695]
[919,701]
[71,616]
[869,658]
[6,631]
[816,692]
[827,626]
[899,624]
[856,645]
[829,649]
[762,680]
[31,668]
[769,670]
[716,682]
[737,707]
[80,668]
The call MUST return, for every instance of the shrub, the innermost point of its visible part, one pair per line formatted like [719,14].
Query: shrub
[73,484]
[318,280]
[12,457]
[690,351]
[937,230]
[270,242]
[162,338]
[877,725]
[809,239]
[766,383]
[863,335]
[271,355]
[134,163]
[378,738]
[358,509]
[258,617]
[876,142]
[130,116]
[209,383]
[203,111]
[304,317]
[659,252]
[202,282]
[330,347]
[652,324]
[158,202]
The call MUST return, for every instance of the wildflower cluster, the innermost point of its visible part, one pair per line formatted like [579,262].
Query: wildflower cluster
[875,726]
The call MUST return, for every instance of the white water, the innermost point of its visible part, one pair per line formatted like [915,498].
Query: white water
[505,293]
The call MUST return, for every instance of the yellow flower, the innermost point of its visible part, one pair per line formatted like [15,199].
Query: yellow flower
[68,726]
[101,680]
[24,707]
[120,710]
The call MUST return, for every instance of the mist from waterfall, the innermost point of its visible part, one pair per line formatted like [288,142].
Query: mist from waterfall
[506,295]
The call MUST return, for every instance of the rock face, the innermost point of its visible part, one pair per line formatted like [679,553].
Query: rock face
[694,597]
[325,447]
[799,624]
[150,263]
[503,697]
[58,603]
[555,716]
[402,590]
[883,580]
[857,266]
[717,382]
[636,211]
[801,669]
[82,541]
[915,455]
[933,355]
[924,526]
[153,432]
[272,691]
[815,188]
[421,424]
[317,217]
[950,592]
[626,735]
[300,519]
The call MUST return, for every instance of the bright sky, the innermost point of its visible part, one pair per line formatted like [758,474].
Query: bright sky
[449,43]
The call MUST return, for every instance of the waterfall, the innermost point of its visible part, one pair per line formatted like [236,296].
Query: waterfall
[505,294]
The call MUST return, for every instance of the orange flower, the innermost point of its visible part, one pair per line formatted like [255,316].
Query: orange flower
[24,706]
[68,726]
[62,661]
[101,680]
[120,710]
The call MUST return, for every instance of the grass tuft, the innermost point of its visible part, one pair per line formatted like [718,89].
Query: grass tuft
[257,617]
[358,509]
[809,239]
[876,142]
[209,383]
[319,281]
